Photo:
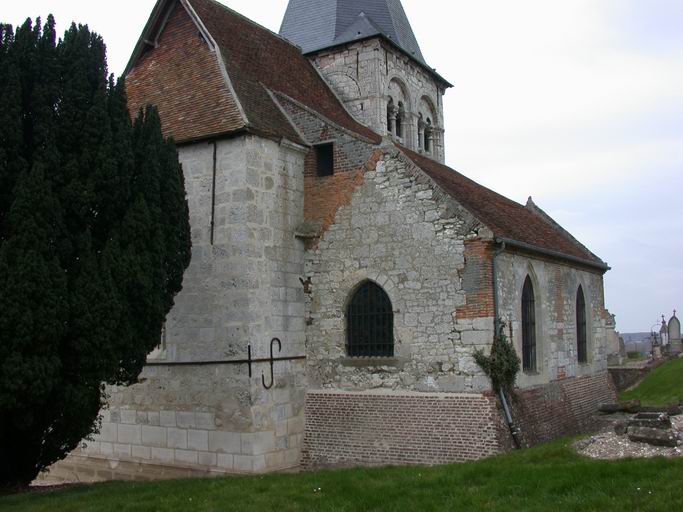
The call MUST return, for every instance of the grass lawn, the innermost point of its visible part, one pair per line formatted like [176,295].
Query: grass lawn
[663,386]
[545,478]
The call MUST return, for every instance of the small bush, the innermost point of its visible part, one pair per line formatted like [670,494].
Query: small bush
[503,365]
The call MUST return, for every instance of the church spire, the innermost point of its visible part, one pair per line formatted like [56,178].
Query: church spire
[318,24]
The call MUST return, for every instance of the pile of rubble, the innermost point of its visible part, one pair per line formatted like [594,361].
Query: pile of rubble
[643,434]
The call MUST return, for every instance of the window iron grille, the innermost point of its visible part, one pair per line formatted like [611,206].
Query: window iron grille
[370,323]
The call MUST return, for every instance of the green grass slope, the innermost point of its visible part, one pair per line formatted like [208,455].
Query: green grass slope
[545,478]
[663,386]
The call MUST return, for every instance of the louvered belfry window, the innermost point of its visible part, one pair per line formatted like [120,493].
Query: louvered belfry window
[581,334]
[370,323]
[528,327]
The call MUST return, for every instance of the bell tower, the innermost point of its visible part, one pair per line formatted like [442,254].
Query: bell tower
[368,53]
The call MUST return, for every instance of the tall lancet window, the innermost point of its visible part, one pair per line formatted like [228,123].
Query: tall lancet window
[528,326]
[581,331]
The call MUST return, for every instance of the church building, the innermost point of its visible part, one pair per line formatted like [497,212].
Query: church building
[342,275]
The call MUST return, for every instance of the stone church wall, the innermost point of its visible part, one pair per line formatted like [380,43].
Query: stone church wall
[362,73]
[563,396]
[401,233]
[555,289]
[427,404]
[242,289]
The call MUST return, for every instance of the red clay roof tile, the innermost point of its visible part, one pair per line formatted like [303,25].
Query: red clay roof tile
[506,218]
[255,55]
[183,79]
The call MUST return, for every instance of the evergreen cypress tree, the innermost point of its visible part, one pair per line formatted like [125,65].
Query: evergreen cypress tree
[12,163]
[94,241]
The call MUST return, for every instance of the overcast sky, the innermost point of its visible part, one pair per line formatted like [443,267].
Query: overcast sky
[577,103]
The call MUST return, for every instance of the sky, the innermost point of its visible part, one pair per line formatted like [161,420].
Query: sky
[577,103]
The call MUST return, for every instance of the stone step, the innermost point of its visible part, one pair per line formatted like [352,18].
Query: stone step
[630,406]
[658,420]
[653,436]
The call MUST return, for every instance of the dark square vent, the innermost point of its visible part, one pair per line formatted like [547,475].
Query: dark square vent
[324,159]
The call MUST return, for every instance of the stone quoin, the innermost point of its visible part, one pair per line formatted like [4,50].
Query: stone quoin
[323,215]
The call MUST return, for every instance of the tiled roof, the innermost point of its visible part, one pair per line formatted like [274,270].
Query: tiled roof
[256,60]
[199,97]
[256,55]
[183,79]
[506,218]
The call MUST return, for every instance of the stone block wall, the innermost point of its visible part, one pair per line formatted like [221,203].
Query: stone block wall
[208,419]
[192,409]
[625,377]
[400,231]
[555,287]
[346,428]
[361,74]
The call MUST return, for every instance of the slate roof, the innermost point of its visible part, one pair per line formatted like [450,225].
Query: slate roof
[318,24]
[506,218]
[256,61]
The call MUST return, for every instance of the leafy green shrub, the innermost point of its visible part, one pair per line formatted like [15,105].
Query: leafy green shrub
[503,365]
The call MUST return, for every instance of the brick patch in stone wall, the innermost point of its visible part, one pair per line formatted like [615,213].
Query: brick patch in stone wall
[325,195]
[477,281]
[398,428]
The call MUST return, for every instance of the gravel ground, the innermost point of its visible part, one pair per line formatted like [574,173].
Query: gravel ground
[608,445]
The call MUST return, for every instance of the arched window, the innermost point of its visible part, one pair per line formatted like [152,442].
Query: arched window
[528,326]
[370,323]
[581,334]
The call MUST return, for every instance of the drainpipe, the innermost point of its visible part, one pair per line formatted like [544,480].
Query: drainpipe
[514,432]
[213,192]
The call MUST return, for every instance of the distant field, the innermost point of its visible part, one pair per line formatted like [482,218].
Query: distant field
[663,386]
[547,478]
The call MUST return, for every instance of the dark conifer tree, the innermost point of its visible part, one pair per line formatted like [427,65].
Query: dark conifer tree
[94,241]
[12,162]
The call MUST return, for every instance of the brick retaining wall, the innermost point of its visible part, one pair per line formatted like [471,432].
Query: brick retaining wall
[561,408]
[344,428]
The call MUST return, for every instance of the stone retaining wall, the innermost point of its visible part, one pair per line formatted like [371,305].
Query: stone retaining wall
[625,377]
